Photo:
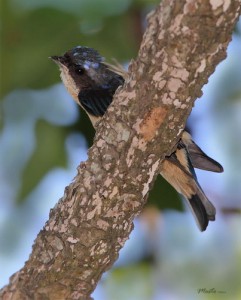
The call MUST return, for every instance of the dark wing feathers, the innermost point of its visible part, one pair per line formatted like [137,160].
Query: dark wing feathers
[202,161]
[95,101]
[198,158]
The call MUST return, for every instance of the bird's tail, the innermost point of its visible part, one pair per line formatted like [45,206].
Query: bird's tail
[202,209]
[177,169]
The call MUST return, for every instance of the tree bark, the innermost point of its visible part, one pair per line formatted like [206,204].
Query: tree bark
[181,47]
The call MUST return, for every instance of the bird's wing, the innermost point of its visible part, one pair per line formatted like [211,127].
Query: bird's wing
[95,101]
[199,159]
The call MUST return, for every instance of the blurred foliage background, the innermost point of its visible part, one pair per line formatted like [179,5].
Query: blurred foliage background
[44,136]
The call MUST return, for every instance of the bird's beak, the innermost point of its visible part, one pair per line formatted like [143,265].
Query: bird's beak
[59,60]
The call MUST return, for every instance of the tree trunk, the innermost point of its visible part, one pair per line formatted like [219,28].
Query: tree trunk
[182,45]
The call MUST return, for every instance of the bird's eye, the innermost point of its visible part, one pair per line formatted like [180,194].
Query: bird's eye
[79,70]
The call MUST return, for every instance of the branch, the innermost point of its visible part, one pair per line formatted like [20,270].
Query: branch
[183,43]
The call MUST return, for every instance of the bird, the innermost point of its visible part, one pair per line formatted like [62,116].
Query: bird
[92,83]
